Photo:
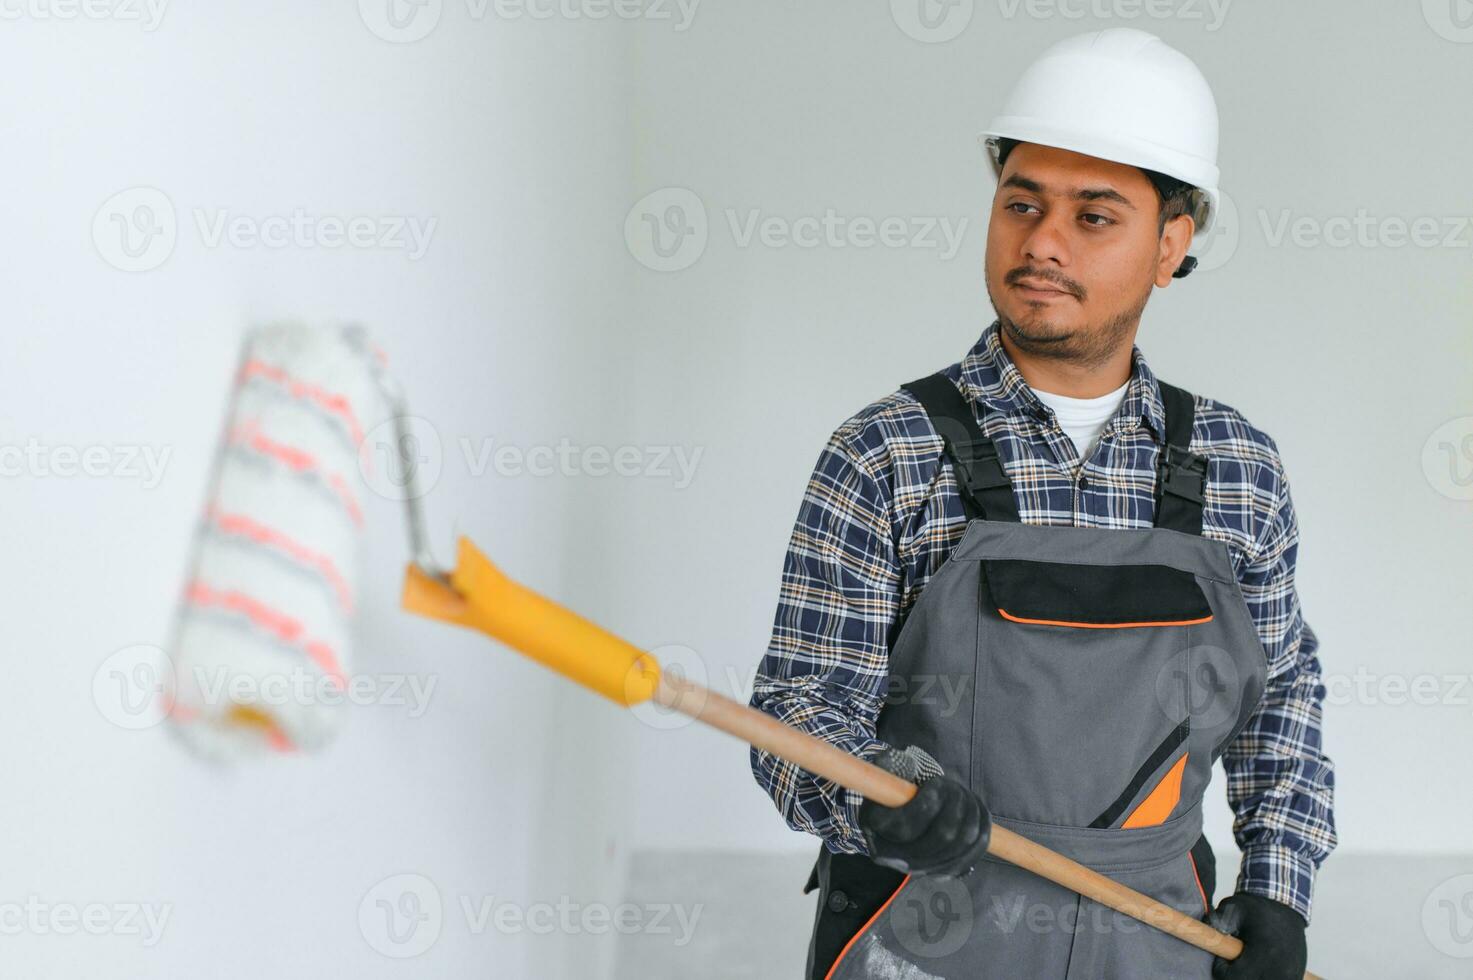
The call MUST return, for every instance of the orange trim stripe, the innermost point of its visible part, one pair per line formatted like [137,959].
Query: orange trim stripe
[1206,906]
[864,928]
[1156,807]
[1100,626]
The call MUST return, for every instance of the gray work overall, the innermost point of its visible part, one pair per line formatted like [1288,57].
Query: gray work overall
[1103,673]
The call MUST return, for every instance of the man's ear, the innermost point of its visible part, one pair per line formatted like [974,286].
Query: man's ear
[1176,238]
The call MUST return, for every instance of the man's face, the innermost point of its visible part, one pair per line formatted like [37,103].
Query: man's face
[1084,232]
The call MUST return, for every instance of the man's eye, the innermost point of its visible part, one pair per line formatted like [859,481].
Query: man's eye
[1019,204]
[1102,222]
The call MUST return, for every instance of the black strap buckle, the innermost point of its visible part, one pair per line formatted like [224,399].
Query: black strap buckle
[1183,474]
[984,468]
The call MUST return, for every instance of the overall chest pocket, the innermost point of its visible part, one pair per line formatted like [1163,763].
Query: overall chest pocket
[1083,711]
[1046,593]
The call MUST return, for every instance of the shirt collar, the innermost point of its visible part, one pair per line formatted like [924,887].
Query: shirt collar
[989,376]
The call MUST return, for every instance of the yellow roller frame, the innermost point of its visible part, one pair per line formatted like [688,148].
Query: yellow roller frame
[481,597]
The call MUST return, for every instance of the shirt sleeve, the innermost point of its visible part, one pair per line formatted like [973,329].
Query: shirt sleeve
[827,663]
[1279,781]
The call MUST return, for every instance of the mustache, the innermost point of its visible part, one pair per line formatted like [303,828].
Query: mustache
[1068,285]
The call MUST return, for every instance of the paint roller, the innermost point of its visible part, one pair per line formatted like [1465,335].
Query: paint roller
[260,649]
[272,586]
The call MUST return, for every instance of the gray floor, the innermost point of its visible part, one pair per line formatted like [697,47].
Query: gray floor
[1375,917]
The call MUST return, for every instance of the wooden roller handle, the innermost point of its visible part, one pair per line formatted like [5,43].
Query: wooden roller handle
[831,762]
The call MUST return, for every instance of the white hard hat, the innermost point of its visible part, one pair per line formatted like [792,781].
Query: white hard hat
[1119,94]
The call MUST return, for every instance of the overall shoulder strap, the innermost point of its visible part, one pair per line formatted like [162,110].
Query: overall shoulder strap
[985,490]
[1181,476]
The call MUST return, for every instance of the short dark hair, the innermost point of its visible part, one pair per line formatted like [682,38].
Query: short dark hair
[1175,194]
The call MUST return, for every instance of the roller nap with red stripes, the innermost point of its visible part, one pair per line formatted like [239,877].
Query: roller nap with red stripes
[261,643]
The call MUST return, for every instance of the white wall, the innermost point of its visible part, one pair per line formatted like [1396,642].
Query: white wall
[513,139]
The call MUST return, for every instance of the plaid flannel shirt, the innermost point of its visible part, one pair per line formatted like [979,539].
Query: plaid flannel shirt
[880,514]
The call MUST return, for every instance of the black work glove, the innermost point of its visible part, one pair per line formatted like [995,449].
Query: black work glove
[943,829]
[1272,935]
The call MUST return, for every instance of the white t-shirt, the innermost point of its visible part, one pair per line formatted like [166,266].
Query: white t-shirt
[1083,419]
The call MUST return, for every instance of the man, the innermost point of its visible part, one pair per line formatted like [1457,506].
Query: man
[1053,591]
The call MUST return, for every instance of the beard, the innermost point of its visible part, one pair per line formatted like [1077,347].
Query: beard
[1039,333]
